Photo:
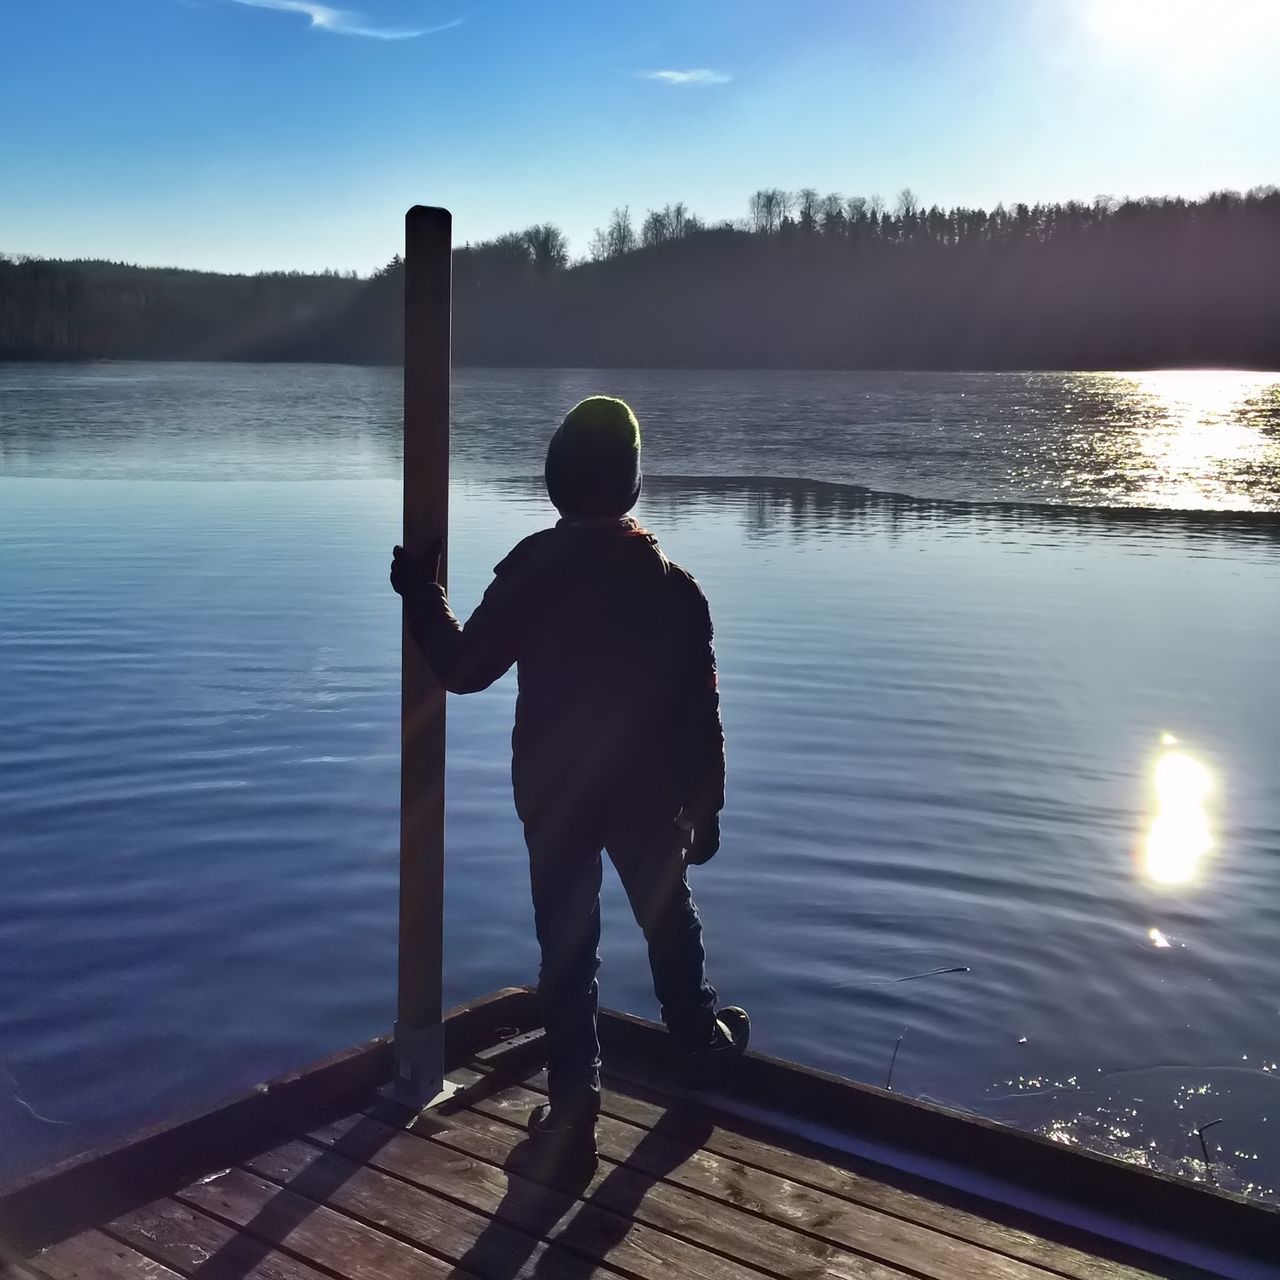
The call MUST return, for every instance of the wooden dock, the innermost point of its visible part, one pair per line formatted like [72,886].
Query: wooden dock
[319,1176]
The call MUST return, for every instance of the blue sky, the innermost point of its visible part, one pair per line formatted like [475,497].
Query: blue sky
[253,134]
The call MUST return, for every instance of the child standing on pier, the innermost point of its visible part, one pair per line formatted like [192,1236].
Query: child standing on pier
[618,744]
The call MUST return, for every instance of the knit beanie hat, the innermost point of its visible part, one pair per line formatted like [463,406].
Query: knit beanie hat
[593,461]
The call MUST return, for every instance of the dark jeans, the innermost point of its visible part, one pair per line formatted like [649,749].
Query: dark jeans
[565,869]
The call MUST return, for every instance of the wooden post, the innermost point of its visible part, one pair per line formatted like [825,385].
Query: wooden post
[419,1069]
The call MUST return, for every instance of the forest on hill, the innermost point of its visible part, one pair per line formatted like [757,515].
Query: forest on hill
[803,281]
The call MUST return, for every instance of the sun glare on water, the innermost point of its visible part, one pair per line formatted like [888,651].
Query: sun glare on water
[1179,836]
[1199,437]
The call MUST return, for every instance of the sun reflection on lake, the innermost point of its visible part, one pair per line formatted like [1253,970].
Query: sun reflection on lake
[1179,836]
[1199,436]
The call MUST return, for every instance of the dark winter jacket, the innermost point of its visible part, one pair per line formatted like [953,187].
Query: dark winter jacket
[613,644]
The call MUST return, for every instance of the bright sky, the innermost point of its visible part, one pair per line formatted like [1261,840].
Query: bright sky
[249,134]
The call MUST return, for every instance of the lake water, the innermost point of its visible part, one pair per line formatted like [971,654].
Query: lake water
[971,727]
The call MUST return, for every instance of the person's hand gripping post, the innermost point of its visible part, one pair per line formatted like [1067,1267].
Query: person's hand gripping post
[412,571]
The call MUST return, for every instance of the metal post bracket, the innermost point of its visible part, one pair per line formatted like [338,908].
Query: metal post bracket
[418,1082]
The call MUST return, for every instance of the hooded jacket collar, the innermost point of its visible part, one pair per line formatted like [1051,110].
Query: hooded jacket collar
[615,526]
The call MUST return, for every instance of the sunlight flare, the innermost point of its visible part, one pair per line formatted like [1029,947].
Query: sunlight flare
[1183,34]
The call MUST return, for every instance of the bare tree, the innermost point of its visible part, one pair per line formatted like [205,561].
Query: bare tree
[548,246]
[614,240]
[808,204]
[678,219]
[759,206]
[908,203]
[768,207]
[621,235]
[656,228]
[671,222]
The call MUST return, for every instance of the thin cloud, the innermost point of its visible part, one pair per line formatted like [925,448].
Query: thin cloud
[345,22]
[697,75]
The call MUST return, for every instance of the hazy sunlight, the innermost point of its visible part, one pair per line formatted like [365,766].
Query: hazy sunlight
[1189,35]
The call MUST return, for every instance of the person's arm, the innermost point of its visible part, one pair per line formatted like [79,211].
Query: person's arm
[703,737]
[466,658]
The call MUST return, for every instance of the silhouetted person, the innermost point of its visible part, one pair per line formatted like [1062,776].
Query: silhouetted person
[618,743]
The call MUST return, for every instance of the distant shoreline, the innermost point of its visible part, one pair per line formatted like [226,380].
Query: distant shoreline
[1145,284]
[8,359]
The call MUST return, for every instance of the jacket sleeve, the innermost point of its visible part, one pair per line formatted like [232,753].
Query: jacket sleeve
[702,739]
[469,658]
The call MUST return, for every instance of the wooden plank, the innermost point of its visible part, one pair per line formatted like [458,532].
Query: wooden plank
[93,1255]
[904,1196]
[428,266]
[913,1199]
[13,1267]
[470,1212]
[840,1222]
[671,1210]
[486,1020]
[194,1244]
[504,1180]
[16,1270]
[86,1190]
[333,1241]
[1200,1214]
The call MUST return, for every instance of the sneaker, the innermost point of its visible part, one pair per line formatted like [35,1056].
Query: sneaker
[728,1037]
[571,1138]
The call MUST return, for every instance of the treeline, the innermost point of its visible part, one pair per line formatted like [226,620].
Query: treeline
[107,310]
[804,280]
